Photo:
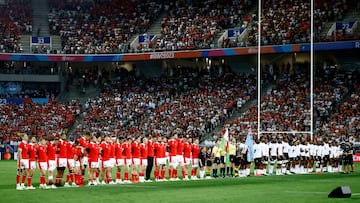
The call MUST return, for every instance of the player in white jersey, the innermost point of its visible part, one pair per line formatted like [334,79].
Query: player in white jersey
[273,155]
[317,157]
[286,148]
[333,155]
[257,157]
[312,151]
[340,154]
[325,154]
[298,156]
[303,160]
[280,158]
[265,155]
[292,157]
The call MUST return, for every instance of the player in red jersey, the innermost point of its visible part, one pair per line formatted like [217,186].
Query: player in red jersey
[179,157]
[42,162]
[127,156]
[150,158]
[187,158]
[23,162]
[135,148]
[195,153]
[160,159]
[52,145]
[106,164]
[173,163]
[79,179]
[144,159]
[84,142]
[94,152]
[32,156]
[119,160]
[70,177]
[61,160]
[112,157]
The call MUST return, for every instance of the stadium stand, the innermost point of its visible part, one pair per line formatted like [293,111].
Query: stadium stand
[153,107]
[15,19]
[100,26]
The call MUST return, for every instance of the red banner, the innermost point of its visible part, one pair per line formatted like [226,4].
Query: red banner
[357,157]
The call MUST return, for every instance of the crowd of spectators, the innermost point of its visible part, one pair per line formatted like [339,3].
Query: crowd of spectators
[36,119]
[15,19]
[288,21]
[195,26]
[191,104]
[100,26]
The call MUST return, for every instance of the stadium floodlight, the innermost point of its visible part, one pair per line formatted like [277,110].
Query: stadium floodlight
[311,76]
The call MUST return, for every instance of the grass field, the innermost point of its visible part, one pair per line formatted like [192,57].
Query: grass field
[290,188]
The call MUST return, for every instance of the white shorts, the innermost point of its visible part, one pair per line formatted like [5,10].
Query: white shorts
[120,162]
[43,165]
[136,161]
[71,163]
[51,165]
[77,164]
[24,164]
[32,164]
[128,162]
[187,161]
[173,161]
[144,162]
[61,162]
[113,162]
[85,160]
[195,162]
[180,159]
[94,164]
[106,164]
[160,161]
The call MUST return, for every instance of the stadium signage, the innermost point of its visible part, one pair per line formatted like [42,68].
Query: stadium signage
[162,55]
[181,54]
[357,157]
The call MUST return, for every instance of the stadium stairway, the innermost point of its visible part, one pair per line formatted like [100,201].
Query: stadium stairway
[156,26]
[56,43]
[40,22]
[236,114]
[75,93]
[25,43]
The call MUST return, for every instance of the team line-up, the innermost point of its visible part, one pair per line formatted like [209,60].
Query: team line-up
[138,156]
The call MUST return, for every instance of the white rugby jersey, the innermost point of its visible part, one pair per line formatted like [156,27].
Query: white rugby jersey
[264,149]
[257,150]
[273,149]
[286,147]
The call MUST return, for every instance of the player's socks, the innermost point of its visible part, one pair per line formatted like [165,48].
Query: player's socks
[174,173]
[118,176]
[170,173]
[67,178]
[227,171]
[156,174]
[247,172]
[271,169]
[162,175]
[183,174]
[23,179]
[231,171]
[50,180]
[17,179]
[126,176]
[29,181]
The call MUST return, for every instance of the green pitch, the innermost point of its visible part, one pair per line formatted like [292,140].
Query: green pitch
[290,188]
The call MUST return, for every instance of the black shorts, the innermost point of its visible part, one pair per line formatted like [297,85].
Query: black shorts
[237,161]
[257,160]
[222,159]
[348,160]
[286,156]
[232,158]
[326,158]
[208,162]
[280,158]
[273,158]
[217,160]
[202,162]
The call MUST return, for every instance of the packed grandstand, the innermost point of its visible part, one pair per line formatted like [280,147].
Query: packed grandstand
[202,98]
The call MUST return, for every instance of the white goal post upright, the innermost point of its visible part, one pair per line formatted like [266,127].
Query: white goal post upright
[311,131]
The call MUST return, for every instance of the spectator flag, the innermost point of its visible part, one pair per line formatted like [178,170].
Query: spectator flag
[249,142]
[224,144]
